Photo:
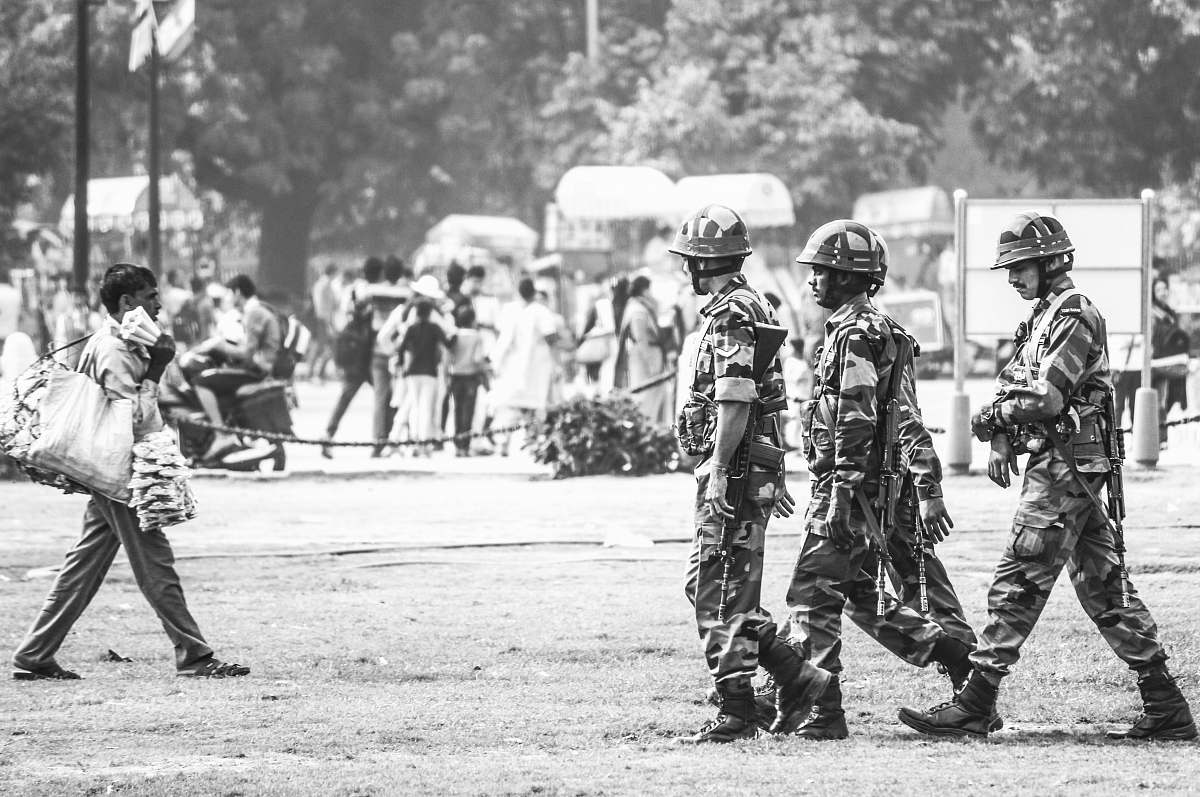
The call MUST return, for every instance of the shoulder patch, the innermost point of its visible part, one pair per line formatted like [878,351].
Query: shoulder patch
[1071,311]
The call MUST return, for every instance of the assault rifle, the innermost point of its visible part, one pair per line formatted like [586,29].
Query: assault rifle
[769,338]
[1114,449]
[881,519]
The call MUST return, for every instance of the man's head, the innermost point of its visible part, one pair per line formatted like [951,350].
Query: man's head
[331,270]
[1162,290]
[455,274]
[173,278]
[713,243]
[847,258]
[475,278]
[126,286]
[373,270]
[241,288]
[1036,250]
[424,309]
[526,289]
[640,285]
[393,269]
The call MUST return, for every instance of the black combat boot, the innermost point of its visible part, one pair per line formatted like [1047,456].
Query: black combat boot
[764,703]
[1165,713]
[952,657]
[798,684]
[826,720]
[968,714]
[736,718]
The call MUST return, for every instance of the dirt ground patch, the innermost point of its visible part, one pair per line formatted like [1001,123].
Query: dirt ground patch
[552,667]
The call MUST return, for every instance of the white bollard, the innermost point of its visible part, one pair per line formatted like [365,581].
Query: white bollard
[958,445]
[1145,427]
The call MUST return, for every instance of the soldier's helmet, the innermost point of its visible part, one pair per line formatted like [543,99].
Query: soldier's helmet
[714,231]
[847,245]
[1032,236]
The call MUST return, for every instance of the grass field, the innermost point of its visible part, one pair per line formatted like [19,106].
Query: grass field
[534,670]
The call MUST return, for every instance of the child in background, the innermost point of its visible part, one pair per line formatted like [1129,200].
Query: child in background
[420,355]
[798,378]
[467,368]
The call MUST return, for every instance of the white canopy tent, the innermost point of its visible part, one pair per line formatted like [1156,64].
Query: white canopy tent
[123,204]
[498,234]
[616,193]
[762,200]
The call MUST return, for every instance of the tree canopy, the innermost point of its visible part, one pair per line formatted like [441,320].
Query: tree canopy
[358,125]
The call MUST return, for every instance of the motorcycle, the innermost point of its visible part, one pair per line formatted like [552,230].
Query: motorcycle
[249,403]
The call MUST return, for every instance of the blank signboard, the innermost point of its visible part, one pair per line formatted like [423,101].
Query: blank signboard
[1107,234]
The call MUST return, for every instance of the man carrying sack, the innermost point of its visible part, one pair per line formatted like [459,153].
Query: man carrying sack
[126,371]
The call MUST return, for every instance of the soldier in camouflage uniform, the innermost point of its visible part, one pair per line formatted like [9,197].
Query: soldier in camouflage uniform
[1049,403]
[837,563]
[724,583]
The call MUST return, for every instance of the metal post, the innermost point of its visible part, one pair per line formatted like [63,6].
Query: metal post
[80,262]
[593,30]
[958,454]
[155,201]
[1145,414]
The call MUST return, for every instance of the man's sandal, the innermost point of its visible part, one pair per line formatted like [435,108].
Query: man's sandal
[214,669]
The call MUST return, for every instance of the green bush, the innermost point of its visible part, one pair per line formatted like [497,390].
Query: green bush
[588,437]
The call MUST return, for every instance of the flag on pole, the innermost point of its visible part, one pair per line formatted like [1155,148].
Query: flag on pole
[173,28]
[144,23]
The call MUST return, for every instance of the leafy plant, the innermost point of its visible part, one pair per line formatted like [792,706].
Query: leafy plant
[588,436]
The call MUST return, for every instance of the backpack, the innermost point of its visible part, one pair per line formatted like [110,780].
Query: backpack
[354,343]
[294,338]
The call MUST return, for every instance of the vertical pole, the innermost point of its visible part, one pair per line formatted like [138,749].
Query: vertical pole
[155,200]
[958,454]
[1145,410]
[80,262]
[593,30]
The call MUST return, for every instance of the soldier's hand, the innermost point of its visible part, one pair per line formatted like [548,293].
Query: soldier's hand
[981,424]
[785,505]
[937,520]
[714,496]
[1001,460]
[837,520]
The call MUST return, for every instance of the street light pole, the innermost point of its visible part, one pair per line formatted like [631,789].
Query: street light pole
[155,201]
[80,262]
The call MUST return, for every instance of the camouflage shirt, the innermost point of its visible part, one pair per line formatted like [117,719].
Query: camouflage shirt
[853,372]
[725,359]
[1065,368]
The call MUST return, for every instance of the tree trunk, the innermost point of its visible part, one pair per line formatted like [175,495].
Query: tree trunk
[287,222]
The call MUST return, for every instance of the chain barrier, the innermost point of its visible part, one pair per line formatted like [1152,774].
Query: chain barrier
[283,437]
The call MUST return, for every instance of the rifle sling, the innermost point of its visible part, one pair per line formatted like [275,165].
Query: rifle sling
[872,521]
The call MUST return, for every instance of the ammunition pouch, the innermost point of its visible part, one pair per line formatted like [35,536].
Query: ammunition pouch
[766,456]
[696,425]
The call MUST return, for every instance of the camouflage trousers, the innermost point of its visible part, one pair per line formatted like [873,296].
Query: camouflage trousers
[1057,525]
[731,644]
[827,581]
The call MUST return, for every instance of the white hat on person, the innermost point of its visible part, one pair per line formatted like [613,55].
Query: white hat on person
[428,287]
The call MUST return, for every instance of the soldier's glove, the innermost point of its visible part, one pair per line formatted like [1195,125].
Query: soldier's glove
[1001,460]
[837,519]
[161,354]
[936,519]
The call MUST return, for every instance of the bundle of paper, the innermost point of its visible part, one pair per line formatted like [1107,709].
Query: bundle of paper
[161,494]
[138,327]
